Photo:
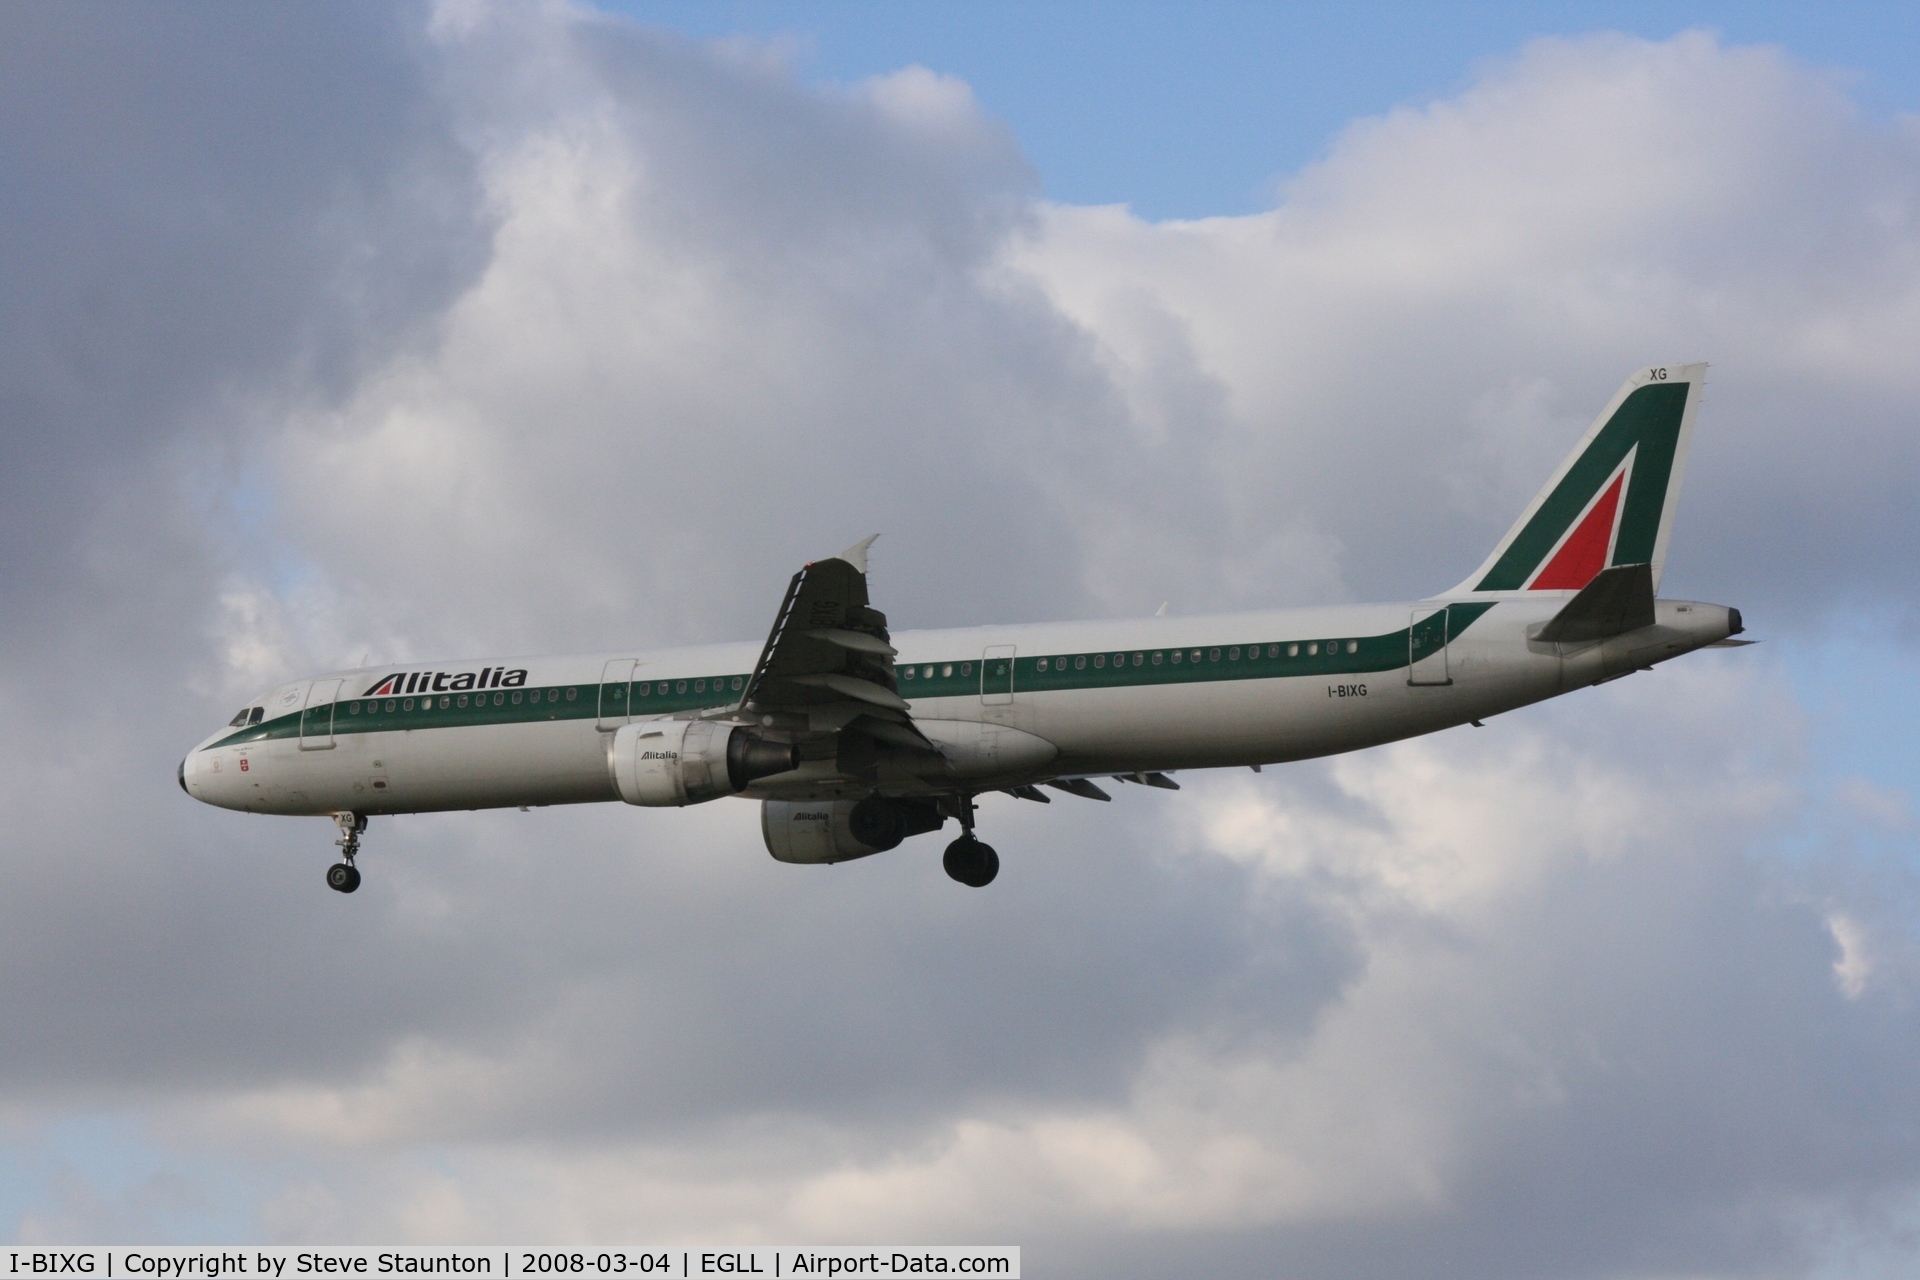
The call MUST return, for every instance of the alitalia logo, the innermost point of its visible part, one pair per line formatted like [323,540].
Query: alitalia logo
[1588,544]
[403,682]
[1609,504]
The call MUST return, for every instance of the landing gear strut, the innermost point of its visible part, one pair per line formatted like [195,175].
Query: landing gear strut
[969,860]
[343,876]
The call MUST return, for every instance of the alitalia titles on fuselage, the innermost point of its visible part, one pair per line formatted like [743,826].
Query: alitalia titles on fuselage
[401,683]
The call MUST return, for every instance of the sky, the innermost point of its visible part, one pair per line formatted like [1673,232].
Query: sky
[465,329]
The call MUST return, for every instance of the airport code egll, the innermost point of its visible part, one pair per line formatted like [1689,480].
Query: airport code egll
[176,1262]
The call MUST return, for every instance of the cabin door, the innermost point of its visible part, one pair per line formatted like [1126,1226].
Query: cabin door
[996,675]
[1427,646]
[316,718]
[616,694]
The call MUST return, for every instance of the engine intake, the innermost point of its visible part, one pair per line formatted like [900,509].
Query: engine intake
[680,762]
[840,830]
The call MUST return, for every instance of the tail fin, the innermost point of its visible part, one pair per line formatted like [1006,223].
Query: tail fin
[1611,502]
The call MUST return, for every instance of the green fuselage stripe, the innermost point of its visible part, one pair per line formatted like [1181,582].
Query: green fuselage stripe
[961,678]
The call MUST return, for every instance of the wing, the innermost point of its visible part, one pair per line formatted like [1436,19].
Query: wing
[826,678]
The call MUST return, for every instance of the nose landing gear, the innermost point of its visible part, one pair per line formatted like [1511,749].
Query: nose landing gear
[343,876]
[969,860]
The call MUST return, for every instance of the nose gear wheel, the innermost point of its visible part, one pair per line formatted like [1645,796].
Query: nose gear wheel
[343,876]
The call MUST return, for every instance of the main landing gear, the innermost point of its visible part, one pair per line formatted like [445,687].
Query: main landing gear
[969,860]
[343,876]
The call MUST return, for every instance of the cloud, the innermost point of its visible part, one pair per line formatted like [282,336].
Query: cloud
[1412,338]
[502,328]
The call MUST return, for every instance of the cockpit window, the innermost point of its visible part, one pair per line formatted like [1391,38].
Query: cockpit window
[240,719]
[258,714]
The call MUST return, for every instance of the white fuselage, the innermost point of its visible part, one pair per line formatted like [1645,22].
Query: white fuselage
[1059,700]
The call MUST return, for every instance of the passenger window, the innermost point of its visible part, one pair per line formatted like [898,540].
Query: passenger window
[499,699]
[1178,655]
[739,682]
[1293,651]
[699,686]
[1099,659]
[1233,654]
[966,668]
[572,694]
[1042,664]
[1313,648]
[1139,658]
[1080,663]
[1353,646]
[425,701]
[946,670]
[910,673]
[463,699]
[681,687]
[1157,658]
[516,697]
[1213,655]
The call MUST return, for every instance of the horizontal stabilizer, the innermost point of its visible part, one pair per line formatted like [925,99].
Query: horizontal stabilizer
[1616,601]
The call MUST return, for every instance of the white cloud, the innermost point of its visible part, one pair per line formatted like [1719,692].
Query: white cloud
[1854,965]
[1399,352]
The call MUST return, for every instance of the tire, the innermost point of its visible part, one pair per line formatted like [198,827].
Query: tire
[971,863]
[985,867]
[343,878]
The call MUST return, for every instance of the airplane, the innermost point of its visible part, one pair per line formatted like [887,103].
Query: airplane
[854,739]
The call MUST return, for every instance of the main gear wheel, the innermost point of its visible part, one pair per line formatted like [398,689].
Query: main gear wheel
[972,862]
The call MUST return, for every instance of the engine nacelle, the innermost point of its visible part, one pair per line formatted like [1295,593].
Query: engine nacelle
[841,830]
[677,762]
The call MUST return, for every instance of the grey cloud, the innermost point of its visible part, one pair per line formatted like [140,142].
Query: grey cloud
[789,344]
